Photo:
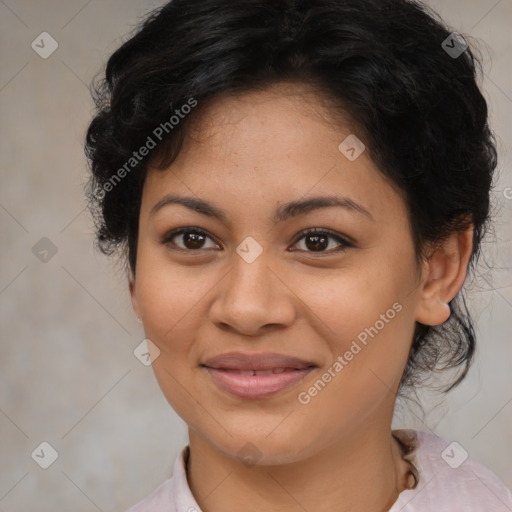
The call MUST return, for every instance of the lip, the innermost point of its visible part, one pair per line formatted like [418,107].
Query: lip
[234,372]
[260,361]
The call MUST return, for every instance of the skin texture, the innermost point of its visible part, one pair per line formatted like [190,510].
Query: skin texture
[247,156]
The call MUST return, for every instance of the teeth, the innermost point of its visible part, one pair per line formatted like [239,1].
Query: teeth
[248,373]
[261,372]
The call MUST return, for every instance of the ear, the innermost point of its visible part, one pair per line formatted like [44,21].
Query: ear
[133,294]
[444,273]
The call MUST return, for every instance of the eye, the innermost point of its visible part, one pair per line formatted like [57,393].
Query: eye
[318,240]
[314,240]
[192,239]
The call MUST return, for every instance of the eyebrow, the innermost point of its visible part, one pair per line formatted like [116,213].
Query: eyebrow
[283,212]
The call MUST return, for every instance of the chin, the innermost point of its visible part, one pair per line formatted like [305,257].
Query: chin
[263,450]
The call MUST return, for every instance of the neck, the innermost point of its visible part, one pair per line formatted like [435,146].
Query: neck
[363,472]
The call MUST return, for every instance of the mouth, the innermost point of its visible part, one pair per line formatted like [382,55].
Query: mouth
[256,376]
[270,371]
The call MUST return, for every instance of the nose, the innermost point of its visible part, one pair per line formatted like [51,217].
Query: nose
[253,298]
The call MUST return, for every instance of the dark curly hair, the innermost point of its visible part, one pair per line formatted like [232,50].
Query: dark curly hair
[383,64]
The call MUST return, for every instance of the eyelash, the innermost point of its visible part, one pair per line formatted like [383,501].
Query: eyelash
[311,231]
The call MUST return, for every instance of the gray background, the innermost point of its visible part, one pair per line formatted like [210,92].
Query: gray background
[68,375]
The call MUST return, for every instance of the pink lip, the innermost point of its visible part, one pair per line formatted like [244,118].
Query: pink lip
[225,371]
[256,386]
[257,361]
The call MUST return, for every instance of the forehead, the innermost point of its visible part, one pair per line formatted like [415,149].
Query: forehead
[290,108]
[280,143]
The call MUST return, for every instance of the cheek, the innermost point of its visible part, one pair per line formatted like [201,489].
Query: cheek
[366,317]
[169,302]
[172,303]
[368,337]
[348,301]
[169,298]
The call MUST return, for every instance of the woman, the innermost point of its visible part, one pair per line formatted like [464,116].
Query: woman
[299,189]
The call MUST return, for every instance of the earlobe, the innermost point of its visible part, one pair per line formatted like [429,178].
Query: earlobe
[444,273]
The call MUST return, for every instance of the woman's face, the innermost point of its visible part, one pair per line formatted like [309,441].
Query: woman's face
[254,283]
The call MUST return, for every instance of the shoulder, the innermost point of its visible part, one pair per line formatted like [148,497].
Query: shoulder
[448,478]
[160,500]
[173,495]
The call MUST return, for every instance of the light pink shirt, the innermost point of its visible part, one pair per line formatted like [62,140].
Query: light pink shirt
[449,482]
